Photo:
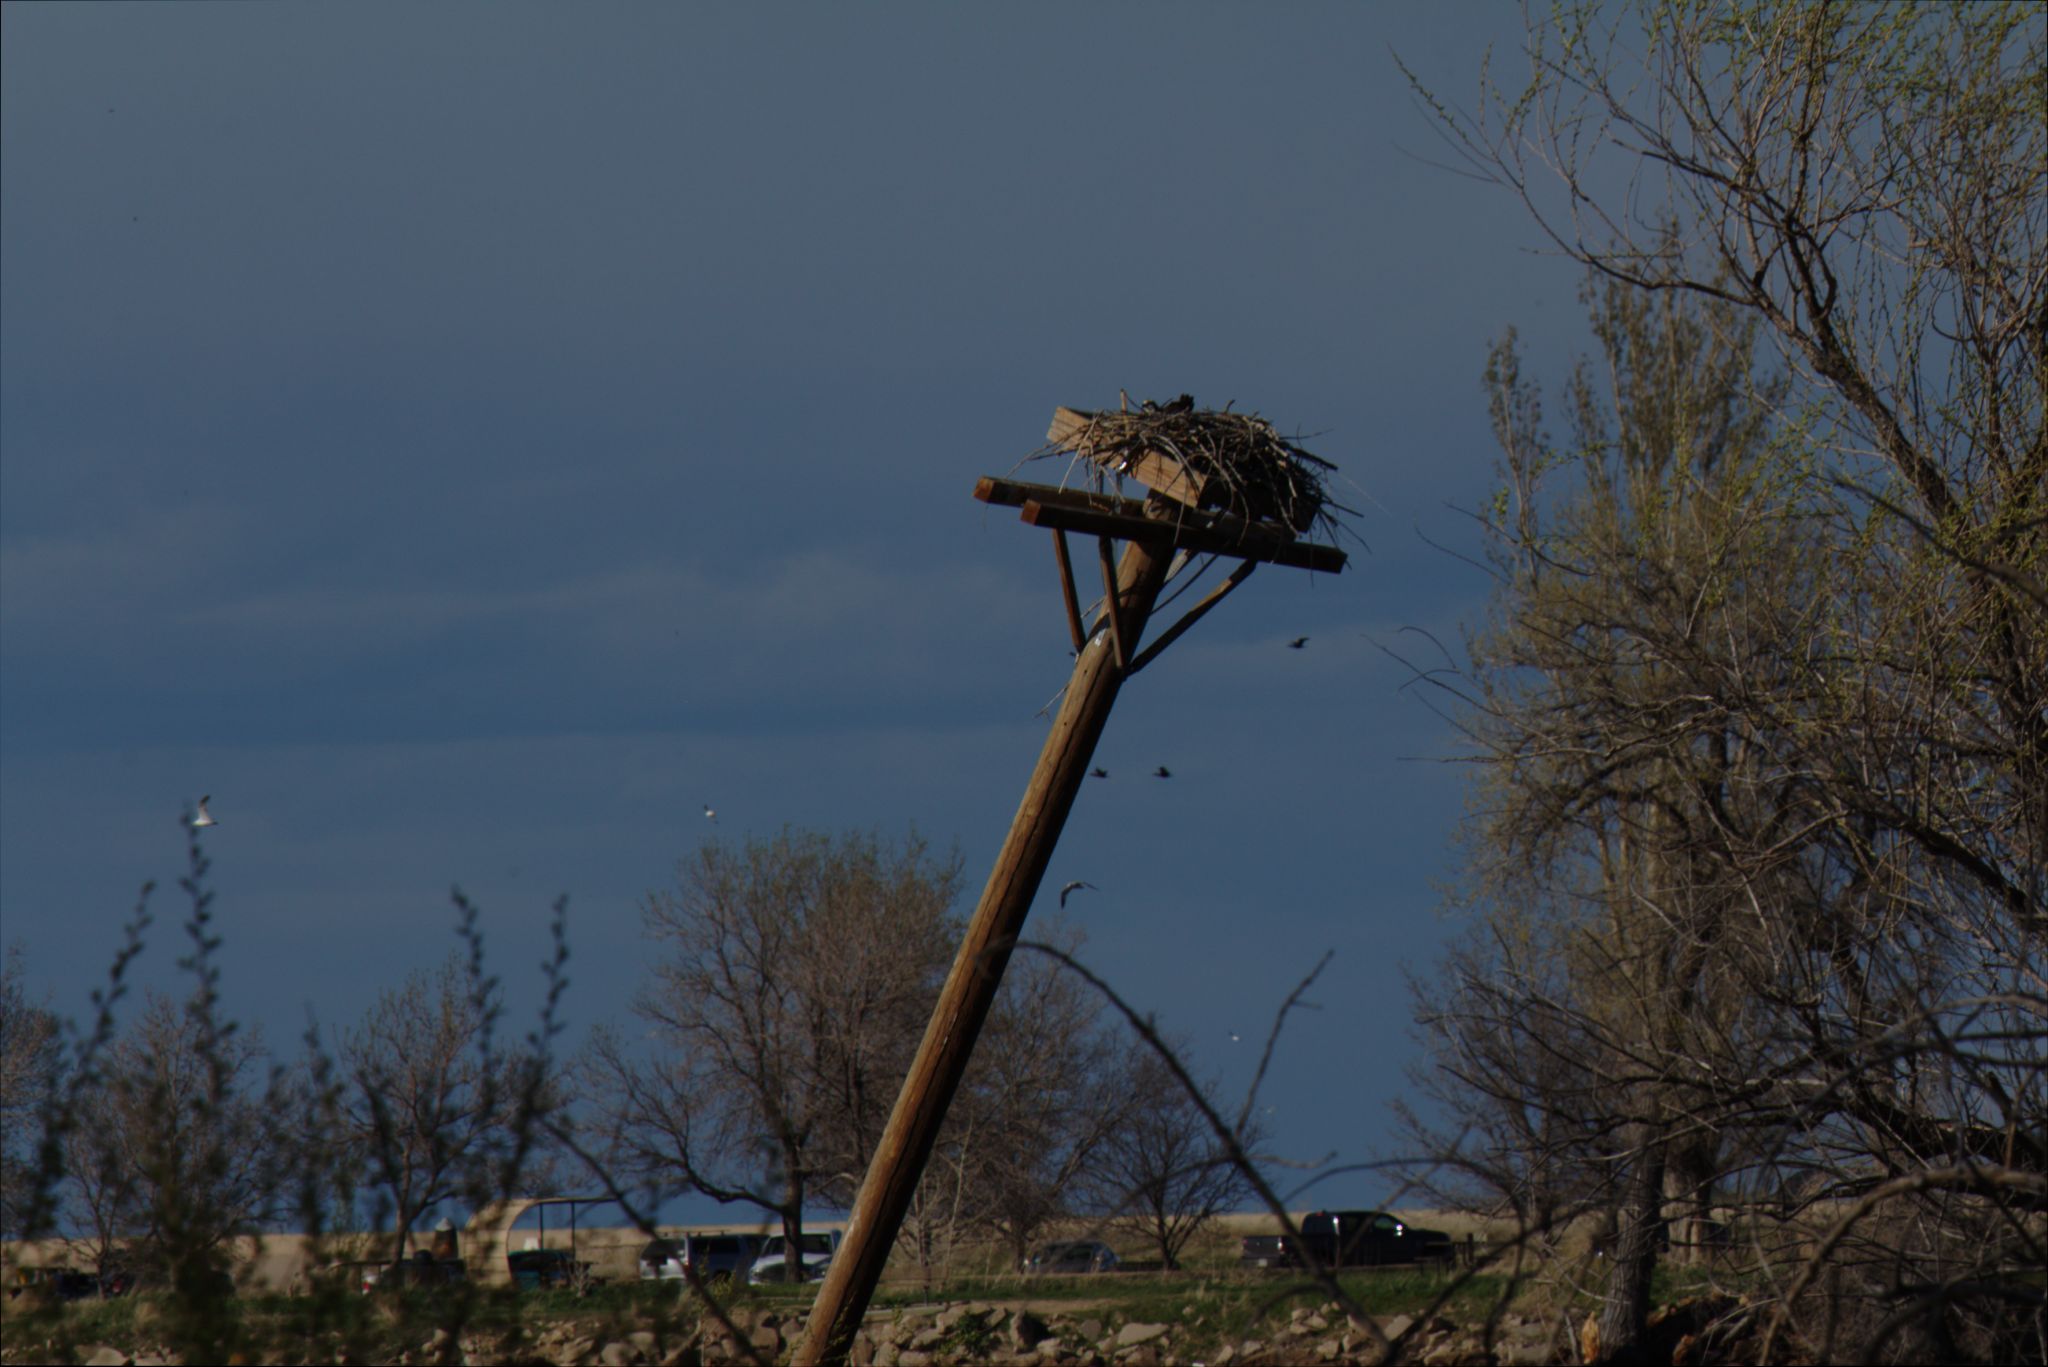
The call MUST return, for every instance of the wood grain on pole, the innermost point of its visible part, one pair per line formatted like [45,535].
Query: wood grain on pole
[977,970]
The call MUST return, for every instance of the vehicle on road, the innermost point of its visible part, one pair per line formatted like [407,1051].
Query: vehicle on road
[1071,1256]
[1347,1238]
[710,1256]
[817,1258]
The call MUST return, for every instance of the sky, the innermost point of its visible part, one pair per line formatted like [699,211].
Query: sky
[466,441]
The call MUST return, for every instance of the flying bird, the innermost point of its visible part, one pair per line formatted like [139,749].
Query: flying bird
[1076,886]
[710,815]
[1098,773]
[1162,772]
[205,818]
[1297,643]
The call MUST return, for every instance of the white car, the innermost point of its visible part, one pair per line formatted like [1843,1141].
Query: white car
[818,1251]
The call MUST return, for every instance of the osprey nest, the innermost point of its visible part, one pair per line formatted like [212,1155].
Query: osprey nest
[1208,459]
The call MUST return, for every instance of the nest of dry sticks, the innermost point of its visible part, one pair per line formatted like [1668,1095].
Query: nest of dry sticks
[1234,463]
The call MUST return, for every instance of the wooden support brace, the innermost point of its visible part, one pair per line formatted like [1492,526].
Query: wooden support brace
[1194,614]
[1059,548]
[1203,536]
[1109,603]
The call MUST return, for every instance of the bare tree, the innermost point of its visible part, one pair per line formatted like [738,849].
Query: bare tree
[31,1064]
[795,976]
[1161,1171]
[1044,1091]
[425,1102]
[170,1157]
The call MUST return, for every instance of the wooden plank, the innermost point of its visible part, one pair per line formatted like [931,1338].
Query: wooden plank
[1067,426]
[1110,608]
[1059,548]
[1166,476]
[1232,537]
[1015,493]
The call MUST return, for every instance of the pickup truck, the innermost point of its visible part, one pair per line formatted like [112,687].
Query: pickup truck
[1347,1238]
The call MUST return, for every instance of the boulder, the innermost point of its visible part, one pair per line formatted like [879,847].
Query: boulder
[1133,1334]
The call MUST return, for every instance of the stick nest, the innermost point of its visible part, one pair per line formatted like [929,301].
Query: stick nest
[1244,466]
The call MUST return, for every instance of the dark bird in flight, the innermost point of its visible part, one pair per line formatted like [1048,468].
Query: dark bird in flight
[1297,643]
[1098,773]
[1076,886]
[1162,772]
[205,818]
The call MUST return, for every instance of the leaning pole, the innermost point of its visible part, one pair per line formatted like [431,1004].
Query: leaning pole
[1220,484]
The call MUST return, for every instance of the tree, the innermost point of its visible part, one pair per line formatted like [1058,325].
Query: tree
[169,1158]
[1820,778]
[1161,1170]
[427,1102]
[794,983]
[31,1064]
[1045,1090]
[1588,1026]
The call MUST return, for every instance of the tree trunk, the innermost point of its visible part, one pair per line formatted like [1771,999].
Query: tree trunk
[1625,1310]
[792,1219]
[1688,1199]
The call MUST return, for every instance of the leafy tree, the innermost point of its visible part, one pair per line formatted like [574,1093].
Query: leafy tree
[1776,732]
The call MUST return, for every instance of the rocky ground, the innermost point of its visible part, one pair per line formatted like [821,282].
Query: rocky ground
[991,1334]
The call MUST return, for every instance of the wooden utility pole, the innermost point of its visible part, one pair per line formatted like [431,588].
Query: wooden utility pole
[1104,657]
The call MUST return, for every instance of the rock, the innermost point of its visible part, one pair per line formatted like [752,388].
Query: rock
[105,1355]
[1327,1351]
[914,1357]
[1315,1324]
[618,1355]
[1225,1355]
[1133,1334]
[767,1338]
[928,1339]
[1090,1330]
[887,1354]
[1144,1355]
[1397,1326]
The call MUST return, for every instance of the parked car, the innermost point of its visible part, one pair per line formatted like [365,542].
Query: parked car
[1071,1256]
[711,1256]
[68,1284]
[817,1257]
[1347,1238]
[534,1269]
[422,1269]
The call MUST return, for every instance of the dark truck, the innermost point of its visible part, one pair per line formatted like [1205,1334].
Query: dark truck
[1348,1238]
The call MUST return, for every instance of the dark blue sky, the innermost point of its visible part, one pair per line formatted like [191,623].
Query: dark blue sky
[465,440]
